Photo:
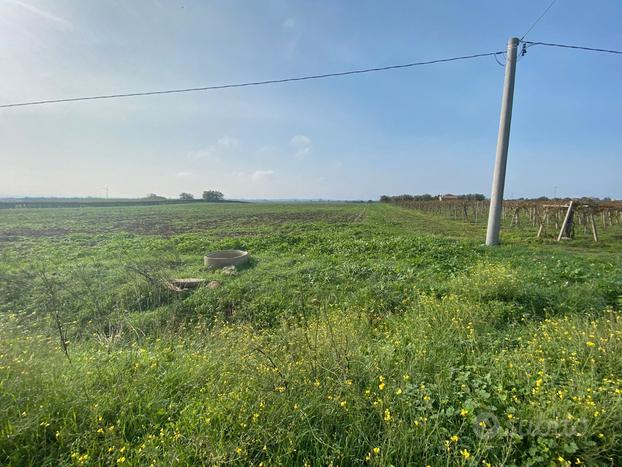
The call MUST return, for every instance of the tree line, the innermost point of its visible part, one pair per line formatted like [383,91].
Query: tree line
[481,197]
[208,195]
[429,197]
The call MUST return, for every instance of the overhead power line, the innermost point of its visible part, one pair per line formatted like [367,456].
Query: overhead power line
[539,18]
[250,83]
[300,78]
[579,47]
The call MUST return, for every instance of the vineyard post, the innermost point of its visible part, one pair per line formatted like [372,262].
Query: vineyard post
[498,179]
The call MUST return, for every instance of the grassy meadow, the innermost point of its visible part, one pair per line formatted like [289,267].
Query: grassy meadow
[359,334]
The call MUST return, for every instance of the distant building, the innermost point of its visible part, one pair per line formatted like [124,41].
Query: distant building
[447,196]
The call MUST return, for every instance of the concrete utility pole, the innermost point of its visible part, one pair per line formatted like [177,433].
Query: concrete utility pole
[503,141]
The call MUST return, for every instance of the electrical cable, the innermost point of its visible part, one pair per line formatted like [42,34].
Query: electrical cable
[578,47]
[248,84]
[304,78]
[539,18]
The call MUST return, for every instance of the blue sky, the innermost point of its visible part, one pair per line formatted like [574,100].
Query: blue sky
[426,129]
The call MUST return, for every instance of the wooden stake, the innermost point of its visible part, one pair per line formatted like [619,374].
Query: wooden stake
[544,219]
[593,223]
[567,224]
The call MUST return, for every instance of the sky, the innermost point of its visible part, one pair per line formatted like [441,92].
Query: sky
[426,129]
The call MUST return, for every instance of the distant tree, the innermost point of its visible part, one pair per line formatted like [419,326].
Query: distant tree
[473,197]
[186,196]
[213,195]
[153,196]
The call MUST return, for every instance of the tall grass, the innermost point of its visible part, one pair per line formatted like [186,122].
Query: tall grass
[363,344]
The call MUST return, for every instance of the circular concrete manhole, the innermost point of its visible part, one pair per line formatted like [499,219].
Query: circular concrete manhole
[220,259]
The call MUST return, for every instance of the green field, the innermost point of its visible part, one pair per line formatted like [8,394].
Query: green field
[359,334]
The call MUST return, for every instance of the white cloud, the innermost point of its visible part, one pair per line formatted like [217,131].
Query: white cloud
[299,141]
[302,153]
[261,175]
[183,174]
[302,145]
[214,152]
[227,142]
[293,36]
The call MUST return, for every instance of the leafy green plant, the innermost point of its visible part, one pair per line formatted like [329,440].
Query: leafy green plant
[381,336]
